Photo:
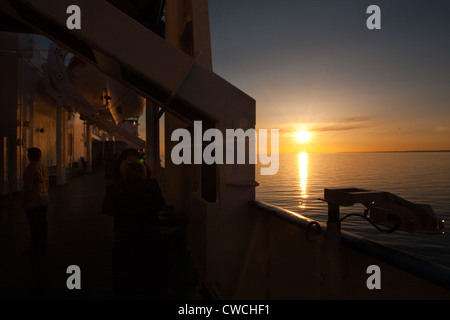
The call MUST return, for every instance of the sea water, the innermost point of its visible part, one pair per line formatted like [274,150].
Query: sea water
[422,177]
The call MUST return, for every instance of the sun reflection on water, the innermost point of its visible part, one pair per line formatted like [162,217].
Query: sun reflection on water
[303,177]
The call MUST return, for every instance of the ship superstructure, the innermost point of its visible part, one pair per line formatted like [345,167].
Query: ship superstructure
[128,57]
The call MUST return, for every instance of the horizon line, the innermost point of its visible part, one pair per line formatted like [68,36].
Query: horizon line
[382,151]
[393,151]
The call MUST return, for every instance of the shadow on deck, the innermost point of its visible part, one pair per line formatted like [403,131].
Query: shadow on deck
[78,234]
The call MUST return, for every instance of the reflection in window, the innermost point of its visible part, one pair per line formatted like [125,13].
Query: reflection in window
[303,177]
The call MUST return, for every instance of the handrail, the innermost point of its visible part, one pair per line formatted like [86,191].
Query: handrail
[289,216]
[427,270]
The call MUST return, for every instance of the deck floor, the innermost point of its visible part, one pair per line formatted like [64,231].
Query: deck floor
[78,234]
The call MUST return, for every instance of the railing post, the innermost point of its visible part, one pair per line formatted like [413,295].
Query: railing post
[333,217]
[88,147]
[333,263]
[61,131]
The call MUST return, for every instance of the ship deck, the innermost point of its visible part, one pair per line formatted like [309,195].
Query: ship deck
[78,234]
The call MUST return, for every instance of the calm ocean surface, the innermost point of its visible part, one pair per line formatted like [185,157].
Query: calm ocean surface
[422,177]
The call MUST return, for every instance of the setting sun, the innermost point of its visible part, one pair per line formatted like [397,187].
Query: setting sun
[303,136]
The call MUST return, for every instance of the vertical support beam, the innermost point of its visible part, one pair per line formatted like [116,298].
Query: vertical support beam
[178,16]
[152,138]
[179,32]
[103,149]
[61,139]
[333,260]
[178,179]
[333,217]
[201,32]
[4,187]
[88,147]
[187,28]
[20,152]
[11,105]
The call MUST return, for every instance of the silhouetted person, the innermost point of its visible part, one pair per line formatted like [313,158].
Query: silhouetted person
[34,198]
[135,200]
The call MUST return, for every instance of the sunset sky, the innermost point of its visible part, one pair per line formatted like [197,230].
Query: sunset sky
[315,66]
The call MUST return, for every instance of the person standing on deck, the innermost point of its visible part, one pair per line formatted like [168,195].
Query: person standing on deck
[34,198]
[134,201]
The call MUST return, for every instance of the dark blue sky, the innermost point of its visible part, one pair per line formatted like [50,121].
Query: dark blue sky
[314,65]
